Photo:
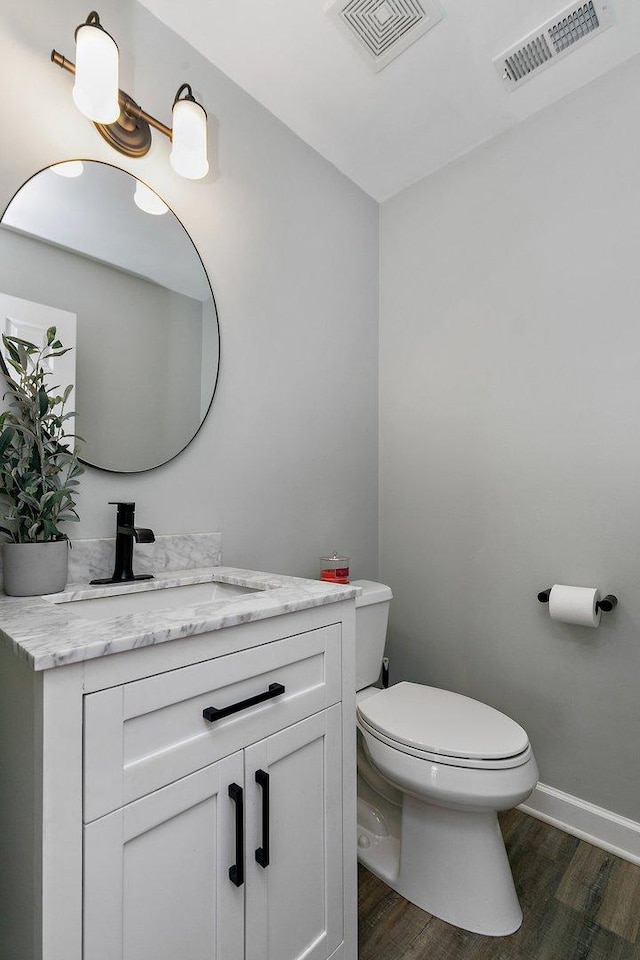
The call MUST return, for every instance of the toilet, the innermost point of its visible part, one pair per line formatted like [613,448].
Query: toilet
[434,768]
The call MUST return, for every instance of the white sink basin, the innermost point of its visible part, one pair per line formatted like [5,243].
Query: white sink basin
[154,600]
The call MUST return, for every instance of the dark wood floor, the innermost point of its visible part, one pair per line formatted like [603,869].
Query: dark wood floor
[579,903]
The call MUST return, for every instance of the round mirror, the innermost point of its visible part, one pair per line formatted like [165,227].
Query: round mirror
[89,249]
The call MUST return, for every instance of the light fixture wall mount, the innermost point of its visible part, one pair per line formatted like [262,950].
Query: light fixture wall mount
[130,132]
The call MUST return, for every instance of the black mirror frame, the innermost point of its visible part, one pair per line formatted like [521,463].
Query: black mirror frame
[215,310]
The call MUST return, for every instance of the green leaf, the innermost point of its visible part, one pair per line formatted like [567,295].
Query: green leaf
[50,498]
[29,347]
[43,401]
[26,498]
[11,350]
[6,438]
[51,335]
[56,352]
[50,529]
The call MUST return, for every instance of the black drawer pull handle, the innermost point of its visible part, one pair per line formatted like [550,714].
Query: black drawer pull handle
[262,853]
[217,713]
[236,871]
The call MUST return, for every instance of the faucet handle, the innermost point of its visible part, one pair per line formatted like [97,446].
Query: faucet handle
[143,535]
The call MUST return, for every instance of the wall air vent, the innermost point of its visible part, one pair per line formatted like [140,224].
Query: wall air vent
[553,40]
[383,29]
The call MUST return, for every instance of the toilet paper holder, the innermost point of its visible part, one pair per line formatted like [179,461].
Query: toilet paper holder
[606,605]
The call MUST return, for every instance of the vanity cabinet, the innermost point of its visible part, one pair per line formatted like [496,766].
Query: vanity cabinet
[161,834]
[158,872]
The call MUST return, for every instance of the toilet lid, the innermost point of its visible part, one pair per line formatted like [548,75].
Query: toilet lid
[442,722]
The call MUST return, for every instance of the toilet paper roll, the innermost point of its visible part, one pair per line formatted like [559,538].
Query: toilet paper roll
[574,605]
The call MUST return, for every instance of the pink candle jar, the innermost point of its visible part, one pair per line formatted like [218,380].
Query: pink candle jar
[335,569]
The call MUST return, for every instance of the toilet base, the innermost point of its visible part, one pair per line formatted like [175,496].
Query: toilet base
[451,863]
[454,864]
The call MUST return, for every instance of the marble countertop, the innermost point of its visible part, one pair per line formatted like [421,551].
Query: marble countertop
[47,633]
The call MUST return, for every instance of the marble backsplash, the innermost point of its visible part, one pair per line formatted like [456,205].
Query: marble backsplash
[89,559]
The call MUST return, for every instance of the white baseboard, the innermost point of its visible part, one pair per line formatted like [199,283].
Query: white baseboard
[597,826]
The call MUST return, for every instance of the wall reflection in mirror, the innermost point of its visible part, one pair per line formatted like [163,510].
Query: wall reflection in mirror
[101,257]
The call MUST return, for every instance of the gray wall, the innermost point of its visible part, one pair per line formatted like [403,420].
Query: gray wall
[286,464]
[139,350]
[510,430]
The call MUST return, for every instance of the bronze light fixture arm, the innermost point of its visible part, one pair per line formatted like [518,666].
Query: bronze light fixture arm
[138,113]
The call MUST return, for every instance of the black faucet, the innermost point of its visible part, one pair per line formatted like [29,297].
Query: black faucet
[126,533]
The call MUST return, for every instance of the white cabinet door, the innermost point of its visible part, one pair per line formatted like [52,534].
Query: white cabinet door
[294,905]
[157,884]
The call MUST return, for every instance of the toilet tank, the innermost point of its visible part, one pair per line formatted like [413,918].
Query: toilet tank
[372,615]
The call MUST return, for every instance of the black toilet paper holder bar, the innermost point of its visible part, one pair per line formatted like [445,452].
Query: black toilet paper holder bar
[607,604]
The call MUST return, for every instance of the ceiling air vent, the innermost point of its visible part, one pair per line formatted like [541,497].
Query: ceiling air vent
[382,29]
[553,40]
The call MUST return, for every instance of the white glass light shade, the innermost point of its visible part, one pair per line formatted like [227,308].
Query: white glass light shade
[95,91]
[68,168]
[145,198]
[189,140]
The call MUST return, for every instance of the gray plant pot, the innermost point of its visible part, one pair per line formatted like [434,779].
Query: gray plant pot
[33,569]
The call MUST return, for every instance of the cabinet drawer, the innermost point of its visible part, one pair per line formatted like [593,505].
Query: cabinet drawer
[143,735]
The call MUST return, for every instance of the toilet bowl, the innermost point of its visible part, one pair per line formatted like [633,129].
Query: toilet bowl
[434,768]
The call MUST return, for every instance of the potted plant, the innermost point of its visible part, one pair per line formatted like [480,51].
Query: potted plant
[39,469]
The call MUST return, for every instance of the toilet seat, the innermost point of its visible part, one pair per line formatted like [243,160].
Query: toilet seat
[443,727]
[506,763]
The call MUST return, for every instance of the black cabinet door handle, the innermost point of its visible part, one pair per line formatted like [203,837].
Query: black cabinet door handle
[217,713]
[262,853]
[236,871]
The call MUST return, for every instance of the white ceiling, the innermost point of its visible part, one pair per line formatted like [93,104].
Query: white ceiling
[437,101]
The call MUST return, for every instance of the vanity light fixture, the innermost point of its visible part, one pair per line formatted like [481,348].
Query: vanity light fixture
[118,118]
[189,141]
